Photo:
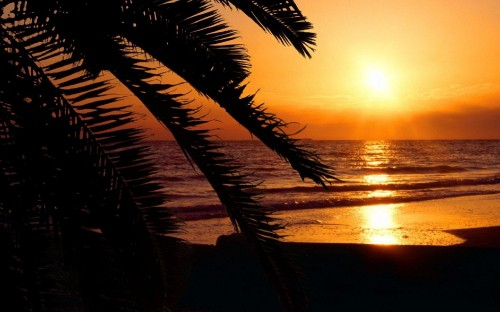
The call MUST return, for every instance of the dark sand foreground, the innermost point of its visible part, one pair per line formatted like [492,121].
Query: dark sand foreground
[355,277]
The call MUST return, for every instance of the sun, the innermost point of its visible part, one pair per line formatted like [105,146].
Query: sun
[379,88]
[377,82]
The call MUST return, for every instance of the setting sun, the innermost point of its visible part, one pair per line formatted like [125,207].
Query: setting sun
[247,155]
[385,70]
[377,82]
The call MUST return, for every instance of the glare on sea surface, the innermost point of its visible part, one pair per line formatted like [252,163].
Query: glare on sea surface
[375,153]
[379,224]
[376,178]
[380,193]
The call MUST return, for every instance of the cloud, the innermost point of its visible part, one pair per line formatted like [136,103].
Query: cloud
[466,123]
[455,91]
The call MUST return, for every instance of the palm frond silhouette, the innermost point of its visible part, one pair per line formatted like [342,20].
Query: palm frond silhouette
[82,215]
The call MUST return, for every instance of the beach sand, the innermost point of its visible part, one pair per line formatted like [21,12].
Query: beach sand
[350,277]
[432,223]
[440,222]
[446,258]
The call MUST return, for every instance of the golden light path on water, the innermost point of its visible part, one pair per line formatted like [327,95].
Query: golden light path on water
[409,223]
[378,221]
[376,178]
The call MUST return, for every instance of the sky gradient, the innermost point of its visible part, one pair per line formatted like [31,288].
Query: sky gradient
[381,70]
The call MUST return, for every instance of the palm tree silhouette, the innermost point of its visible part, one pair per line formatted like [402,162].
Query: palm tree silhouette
[81,213]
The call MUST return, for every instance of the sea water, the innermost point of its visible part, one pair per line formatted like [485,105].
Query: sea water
[371,172]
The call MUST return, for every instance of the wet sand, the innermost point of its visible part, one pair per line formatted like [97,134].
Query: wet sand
[439,222]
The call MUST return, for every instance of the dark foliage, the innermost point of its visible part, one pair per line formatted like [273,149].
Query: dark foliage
[82,217]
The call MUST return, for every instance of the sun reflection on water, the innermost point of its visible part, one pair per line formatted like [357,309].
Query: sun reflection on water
[376,178]
[380,193]
[376,153]
[379,224]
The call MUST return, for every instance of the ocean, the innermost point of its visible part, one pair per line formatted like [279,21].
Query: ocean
[372,172]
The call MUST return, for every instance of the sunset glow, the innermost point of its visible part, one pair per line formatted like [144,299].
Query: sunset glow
[250,155]
[382,70]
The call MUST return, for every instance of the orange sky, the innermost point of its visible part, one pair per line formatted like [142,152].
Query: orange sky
[434,68]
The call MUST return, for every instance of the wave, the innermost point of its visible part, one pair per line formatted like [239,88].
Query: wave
[353,187]
[201,212]
[365,201]
[415,170]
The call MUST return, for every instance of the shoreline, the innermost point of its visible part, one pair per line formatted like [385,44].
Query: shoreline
[215,211]
[433,222]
